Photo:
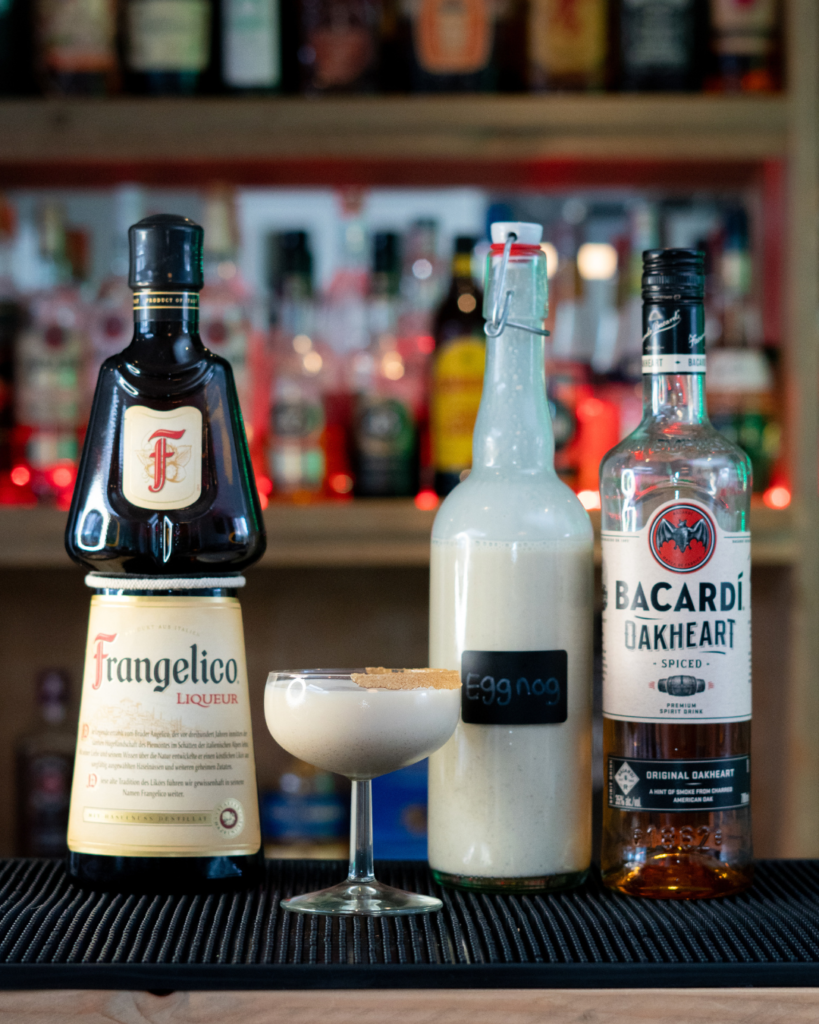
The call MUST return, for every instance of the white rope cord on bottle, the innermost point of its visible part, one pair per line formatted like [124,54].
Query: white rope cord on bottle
[102,581]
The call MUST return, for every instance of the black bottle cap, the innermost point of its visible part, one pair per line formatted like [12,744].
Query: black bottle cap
[166,252]
[464,244]
[296,256]
[671,274]
[385,252]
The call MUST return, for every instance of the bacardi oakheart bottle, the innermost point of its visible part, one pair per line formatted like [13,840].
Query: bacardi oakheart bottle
[677,619]
[165,515]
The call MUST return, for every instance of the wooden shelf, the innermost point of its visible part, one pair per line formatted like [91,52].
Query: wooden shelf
[369,532]
[395,128]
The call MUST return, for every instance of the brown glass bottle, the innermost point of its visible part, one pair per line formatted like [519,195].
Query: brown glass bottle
[165,491]
[45,760]
[457,371]
[165,367]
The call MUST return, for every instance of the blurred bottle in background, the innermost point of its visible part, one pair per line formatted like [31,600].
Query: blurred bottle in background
[385,436]
[306,814]
[567,44]
[661,45]
[112,317]
[450,45]
[168,45]
[422,288]
[457,371]
[76,50]
[744,41]
[49,369]
[340,45]
[251,45]
[623,385]
[643,234]
[45,762]
[296,436]
[422,282]
[14,487]
[598,322]
[16,56]
[225,316]
[345,330]
[741,382]
[567,376]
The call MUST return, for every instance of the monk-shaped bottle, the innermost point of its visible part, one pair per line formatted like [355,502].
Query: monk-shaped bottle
[165,515]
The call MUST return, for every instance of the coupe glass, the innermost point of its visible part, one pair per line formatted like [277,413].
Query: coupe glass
[327,720]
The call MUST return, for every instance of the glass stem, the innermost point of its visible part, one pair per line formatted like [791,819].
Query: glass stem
[361,832]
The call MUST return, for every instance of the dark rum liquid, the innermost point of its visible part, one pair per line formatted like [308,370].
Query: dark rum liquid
[677,855]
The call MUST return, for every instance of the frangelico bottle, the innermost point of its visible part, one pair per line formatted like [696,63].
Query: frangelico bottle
[676,619]
[165,514]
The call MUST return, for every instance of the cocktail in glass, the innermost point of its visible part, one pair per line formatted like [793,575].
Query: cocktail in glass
[328,720]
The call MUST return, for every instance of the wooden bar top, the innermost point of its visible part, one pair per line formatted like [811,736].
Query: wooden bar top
[423,1006]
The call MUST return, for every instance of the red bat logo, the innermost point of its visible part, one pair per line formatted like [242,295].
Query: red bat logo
[682,538]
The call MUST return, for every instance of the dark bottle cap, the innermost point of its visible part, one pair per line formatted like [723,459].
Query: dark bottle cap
[385,252]
[296,256]
[736,229]
[464,244]
[671,274]
[166,252]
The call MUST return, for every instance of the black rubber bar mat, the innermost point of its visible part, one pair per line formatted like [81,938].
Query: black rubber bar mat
[55,935]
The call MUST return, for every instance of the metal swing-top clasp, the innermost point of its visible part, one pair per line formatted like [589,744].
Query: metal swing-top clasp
[500,312]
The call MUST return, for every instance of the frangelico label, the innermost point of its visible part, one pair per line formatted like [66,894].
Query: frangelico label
[164,764]
[162,456]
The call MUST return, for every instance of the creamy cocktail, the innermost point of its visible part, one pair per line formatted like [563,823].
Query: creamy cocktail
[362,724]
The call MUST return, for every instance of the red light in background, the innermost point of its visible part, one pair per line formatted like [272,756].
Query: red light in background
[264,501]
[264,486]
[427,500]
[340,483]
[590,500]
[20,476]
[426,343]
[62,476]
[777,497]
[590,407]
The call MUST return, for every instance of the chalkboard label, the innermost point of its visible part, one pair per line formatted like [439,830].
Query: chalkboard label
[514,687]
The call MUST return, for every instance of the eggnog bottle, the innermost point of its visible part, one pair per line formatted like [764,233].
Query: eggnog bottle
[511,608]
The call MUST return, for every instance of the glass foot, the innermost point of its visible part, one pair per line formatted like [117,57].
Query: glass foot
[371,898]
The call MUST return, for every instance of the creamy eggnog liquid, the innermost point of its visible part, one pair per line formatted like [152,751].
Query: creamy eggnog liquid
[512,801]
[357,732]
